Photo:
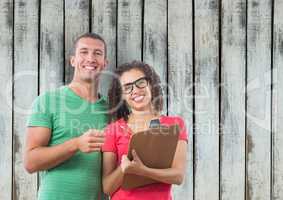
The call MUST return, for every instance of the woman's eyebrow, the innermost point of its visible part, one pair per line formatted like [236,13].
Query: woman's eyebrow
[128,83]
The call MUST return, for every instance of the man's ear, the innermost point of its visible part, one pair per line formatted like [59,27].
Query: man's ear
[106,63]
[72,61]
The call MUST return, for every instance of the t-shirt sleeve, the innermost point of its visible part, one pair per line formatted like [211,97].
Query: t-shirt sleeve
[109,143]
[40,115]
[183,135]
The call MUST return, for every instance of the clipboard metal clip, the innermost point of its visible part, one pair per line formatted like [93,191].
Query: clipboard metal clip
[154,123]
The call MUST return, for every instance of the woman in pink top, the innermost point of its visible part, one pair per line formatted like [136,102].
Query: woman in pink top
[135,98]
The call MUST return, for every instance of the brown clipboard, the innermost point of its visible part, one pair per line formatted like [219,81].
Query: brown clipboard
[156,148]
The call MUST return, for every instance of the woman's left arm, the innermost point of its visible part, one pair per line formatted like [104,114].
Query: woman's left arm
[173,175]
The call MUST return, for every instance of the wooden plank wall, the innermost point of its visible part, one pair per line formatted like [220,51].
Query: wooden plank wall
[277,103]
[206,80]
[6,91]
[180,79]
[220,62]
[258,93]
[25,89]
[232,119]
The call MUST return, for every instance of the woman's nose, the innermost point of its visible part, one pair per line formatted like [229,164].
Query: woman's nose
[135,89]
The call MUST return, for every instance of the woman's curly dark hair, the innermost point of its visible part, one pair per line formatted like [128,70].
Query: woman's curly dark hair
[118,107]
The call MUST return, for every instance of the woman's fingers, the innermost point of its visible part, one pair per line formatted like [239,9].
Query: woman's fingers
[135,156]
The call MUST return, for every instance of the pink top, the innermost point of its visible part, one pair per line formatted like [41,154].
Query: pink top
[118,135]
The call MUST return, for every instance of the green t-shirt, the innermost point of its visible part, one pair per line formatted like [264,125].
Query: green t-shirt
[69,116]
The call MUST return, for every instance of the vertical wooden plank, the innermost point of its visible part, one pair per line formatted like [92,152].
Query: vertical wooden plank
[155,36]
[6,69]
[232,182]
[76,23]
[259,100]
[104,22]
[277,114]
[155,40]
[206,100]
[129,30]
[26,75]
[180,80]
[51,45]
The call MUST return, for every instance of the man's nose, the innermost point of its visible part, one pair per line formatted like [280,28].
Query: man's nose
[91,57]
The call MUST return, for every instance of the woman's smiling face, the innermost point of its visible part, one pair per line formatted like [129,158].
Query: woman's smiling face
[136,90]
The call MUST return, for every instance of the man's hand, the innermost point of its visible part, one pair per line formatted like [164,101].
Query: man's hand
[90,141]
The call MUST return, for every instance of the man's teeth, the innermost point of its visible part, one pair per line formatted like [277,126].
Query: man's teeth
[90,68]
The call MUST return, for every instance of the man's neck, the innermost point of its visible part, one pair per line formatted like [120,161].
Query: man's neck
[87,91]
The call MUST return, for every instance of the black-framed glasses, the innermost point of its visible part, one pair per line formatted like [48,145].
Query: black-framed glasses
[139,83]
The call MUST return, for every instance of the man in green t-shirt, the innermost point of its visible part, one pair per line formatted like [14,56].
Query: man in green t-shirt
[64,133]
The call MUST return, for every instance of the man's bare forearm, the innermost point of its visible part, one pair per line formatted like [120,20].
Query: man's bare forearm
[43,158]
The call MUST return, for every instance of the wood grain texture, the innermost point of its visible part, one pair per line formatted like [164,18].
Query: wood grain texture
[206,100]
[129,35]
[277,104]
[104,22]
[155,40]
[51,45]
[76,23]
[180,80]
[258,100]
[26,75]
[161,33]
[232,124]
[6,77]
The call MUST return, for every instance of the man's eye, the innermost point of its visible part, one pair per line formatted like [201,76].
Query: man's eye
[83,52]
[98,53]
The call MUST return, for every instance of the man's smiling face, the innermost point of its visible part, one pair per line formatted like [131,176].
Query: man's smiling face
[89,59]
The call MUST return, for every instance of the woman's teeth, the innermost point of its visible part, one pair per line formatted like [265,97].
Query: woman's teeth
[138,98]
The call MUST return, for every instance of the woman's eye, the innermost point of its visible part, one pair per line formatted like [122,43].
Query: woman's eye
[127,88]
[142,83]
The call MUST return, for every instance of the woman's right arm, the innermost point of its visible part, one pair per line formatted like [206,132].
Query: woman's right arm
[112,174]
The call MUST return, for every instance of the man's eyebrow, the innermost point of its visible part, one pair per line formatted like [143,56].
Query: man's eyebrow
[83,48]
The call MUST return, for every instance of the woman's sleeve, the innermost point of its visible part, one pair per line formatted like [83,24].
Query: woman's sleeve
[110,139]
[183,135]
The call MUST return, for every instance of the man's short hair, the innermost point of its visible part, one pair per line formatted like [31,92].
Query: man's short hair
[94,36]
